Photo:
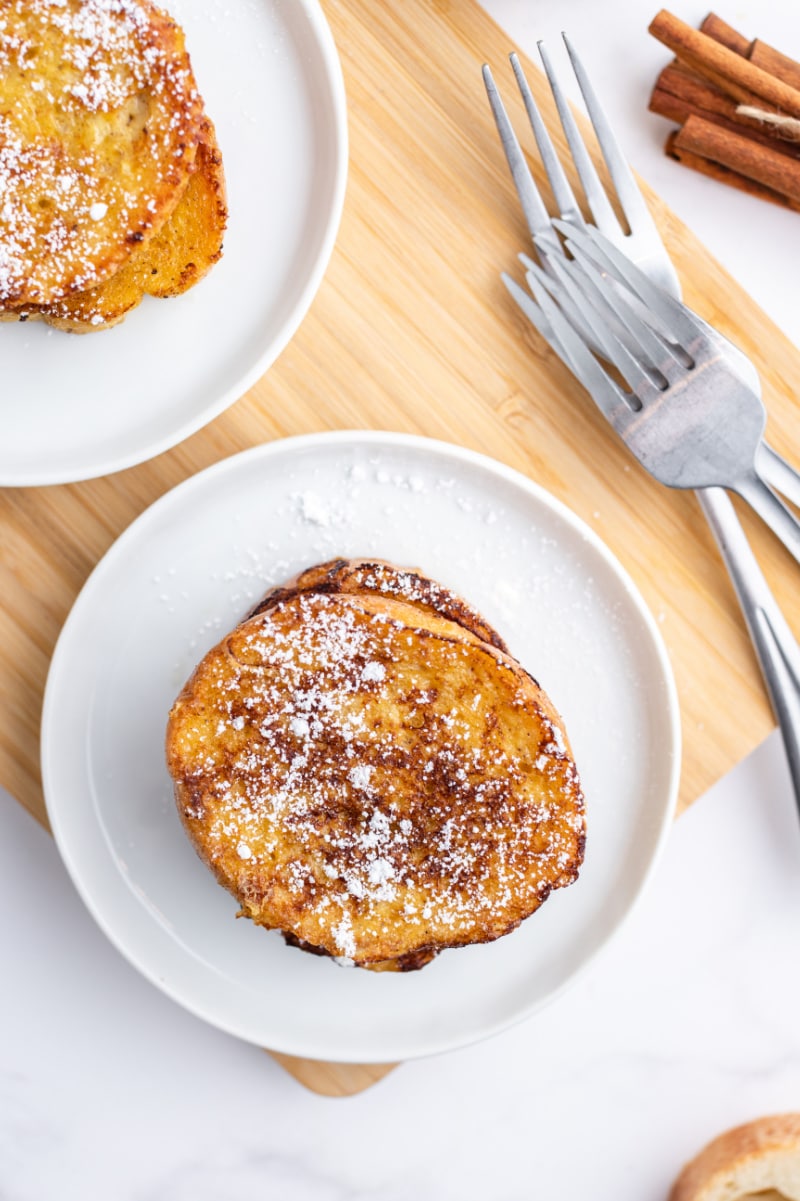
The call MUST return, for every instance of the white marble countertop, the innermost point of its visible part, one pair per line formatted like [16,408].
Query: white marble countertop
[686,1025]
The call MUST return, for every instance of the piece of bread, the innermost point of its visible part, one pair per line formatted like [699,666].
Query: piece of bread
[169,263]
[372,778]
[759,1159]
[100,122]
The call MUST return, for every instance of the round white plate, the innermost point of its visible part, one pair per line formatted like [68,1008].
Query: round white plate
[188,570]
[76,407]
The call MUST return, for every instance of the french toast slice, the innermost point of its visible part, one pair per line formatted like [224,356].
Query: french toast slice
[100,121]
[169,263]
[373,779]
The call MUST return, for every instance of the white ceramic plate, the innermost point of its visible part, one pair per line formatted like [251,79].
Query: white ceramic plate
[75,407]
[186,572]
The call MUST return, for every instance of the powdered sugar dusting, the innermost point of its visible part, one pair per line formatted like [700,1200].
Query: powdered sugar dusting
[373,673]
[360,775]
[433,826]
[343,937]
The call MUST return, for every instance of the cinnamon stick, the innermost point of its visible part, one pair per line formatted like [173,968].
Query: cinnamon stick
[760,53]
[779,65]
[715,171]
[775,171]
[723,66]
[687,85]
[714,27]
[680,93]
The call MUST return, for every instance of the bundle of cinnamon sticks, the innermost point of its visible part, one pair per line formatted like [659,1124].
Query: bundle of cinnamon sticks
[738,105]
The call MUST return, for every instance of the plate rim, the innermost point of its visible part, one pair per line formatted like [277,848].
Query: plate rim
[268,450]
[32,477]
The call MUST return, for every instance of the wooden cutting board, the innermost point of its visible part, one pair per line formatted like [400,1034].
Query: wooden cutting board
[413,331]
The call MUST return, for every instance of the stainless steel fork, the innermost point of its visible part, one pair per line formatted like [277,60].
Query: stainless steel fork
[641,242]
[775,645]
[688,416]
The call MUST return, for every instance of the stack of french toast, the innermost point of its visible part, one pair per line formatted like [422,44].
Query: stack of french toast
[367,769]
[110,172]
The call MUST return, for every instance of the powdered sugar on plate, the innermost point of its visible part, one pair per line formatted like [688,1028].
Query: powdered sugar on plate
[340,511]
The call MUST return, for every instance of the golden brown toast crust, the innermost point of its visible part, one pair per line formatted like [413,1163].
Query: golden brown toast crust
[373,778]
[404,963]
[100,120]
[385,579]
[169,263]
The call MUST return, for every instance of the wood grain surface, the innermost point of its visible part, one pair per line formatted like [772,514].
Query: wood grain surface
[413,331]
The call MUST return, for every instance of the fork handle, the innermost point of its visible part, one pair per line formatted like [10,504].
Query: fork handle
[779,474]
[771,509]
[774,642]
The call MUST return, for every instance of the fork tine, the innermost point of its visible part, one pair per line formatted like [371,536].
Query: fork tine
[533,206]
[563,193]
[603,213]
[534,312]
[674,315]
[572,311]
[535,315]
[656,351]
[637,214]
[570,347]
[630,198]
[596,314]
[627,338]
[607,395]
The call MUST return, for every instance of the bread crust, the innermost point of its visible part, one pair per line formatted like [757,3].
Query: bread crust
[372,778]
[100,121]
[749,1159]
[385,579]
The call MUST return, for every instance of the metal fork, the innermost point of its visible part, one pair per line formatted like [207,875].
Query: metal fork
[689,417]
[641,242]
[775,645]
